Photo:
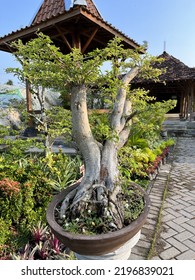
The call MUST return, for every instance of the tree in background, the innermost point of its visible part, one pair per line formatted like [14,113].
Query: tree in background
[10,83]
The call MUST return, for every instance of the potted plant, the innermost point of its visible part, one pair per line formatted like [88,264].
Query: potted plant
[100,191]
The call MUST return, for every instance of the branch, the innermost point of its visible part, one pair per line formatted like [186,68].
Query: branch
[124,135]
[37,119]
[121,100]
[130,75]
[131,116]
[11,51]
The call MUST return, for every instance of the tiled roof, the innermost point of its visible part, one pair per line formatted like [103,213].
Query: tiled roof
[50,15]
[48,9]
[175,69]
[51,8]
[92,8]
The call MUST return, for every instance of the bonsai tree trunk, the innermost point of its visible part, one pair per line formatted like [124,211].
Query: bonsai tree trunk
[86,143]
[100,183]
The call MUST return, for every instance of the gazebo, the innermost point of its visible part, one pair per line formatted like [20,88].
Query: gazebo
[81,26]
[178,82]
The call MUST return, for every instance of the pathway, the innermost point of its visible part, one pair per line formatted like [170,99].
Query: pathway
[175,235]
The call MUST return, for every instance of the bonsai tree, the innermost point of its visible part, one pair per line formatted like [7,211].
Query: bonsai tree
[44,65]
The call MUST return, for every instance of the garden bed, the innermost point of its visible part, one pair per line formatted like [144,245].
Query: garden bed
[28,183]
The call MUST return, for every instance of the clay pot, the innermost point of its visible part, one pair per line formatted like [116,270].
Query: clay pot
[94,245]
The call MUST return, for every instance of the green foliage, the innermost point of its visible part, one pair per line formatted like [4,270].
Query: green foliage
[132,163]
[27,184]
[5,231]
[135,159]
[89,224]
[44,64]
[9,82]
[136,142]
[61,178]
[169,142]
[148,123]
[100,126]
[144,143]
[10,200]
[17,149]
[135,203]
[4,131]
[58,122]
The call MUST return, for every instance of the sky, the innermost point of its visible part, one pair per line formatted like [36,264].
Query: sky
[165,24]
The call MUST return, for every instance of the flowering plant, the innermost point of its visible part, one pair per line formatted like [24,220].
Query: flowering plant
[9,187]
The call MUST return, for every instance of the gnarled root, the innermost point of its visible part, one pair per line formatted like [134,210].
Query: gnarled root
[97,199]
[66,202]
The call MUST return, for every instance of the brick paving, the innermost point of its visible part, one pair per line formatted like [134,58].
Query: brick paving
[175,234]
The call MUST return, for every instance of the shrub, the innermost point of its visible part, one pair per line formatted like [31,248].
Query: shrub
[27,184]
[5,232]
[138,163]
[10,200]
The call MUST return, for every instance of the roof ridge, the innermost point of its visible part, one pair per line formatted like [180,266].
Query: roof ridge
[48,9]
[167,55]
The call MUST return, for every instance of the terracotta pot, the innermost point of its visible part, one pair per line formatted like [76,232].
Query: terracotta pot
[99,244]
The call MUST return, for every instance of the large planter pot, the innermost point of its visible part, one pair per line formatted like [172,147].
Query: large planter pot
[96,245]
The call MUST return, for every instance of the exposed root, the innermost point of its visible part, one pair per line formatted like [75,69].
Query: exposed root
[99,210]
[83,193]
[66,203]
[95,199]
[116,213]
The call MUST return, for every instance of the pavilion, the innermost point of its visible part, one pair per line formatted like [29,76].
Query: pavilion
[80,26]
[178,82]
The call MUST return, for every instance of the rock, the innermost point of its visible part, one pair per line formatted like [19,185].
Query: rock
[10,117]
[9,94]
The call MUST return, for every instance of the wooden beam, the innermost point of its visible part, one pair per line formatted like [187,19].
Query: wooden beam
[76,40]
[31,30]
[76,15]
[63,37]
[109,28]
[89,40]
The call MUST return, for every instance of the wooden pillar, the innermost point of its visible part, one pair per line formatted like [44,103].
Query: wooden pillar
[29,103]
[193,97]
[181,110]
[192,117]
[186,104]
[76,40]
[191,101]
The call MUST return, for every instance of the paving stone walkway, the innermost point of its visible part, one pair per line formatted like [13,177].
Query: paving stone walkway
[172,223]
